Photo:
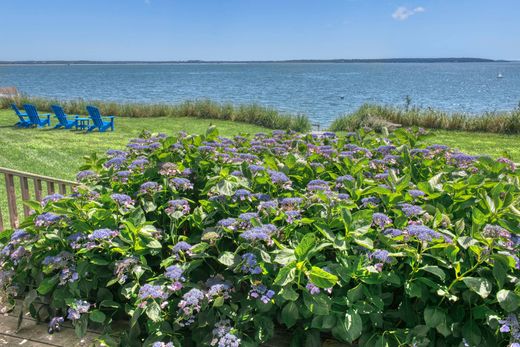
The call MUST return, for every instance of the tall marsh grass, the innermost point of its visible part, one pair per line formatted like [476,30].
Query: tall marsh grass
[375,116]
[206,109]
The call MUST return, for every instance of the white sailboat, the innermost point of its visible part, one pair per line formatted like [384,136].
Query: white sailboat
[500,75]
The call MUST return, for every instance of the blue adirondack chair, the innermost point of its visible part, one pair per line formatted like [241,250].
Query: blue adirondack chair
[23,123]
[98,121]
[34,117]
[63,121]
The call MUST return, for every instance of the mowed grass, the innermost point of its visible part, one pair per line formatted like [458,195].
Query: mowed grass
[495,145]
[59,153]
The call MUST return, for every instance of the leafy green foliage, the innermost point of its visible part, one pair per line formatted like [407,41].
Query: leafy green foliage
[200,239]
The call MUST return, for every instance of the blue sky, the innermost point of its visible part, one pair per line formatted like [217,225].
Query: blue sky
[258,29]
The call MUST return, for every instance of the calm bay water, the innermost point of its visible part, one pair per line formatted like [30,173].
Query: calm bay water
[322,91]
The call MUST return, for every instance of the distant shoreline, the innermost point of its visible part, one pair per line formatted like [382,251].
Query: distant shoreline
[293,61]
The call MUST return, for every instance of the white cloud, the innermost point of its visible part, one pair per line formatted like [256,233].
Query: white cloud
[402,13]
[148,2]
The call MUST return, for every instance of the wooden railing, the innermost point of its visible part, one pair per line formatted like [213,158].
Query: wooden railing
[24,182]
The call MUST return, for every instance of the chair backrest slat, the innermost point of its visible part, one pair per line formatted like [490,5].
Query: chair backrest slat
[60,114]
[95,115]
[32,113]
[16,110]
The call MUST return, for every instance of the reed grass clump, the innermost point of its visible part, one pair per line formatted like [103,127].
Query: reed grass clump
[377,116]
[206,109]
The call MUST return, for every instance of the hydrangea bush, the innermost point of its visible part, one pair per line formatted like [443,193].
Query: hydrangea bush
[209,241]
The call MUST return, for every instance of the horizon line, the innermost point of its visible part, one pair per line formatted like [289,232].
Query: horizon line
[201,61]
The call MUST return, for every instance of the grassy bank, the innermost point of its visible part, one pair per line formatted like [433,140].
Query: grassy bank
[205,109]
[377,116]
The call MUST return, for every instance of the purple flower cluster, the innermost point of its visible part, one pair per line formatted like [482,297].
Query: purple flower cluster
[181,183]
[381,220]
[47,219]
[250,265]
[190,305]
[85,175]
[222,336]
[123,200]
[180,205]
[150,188]
[259,233]
[150,291]
[411,210]
[102,234]
[51,198]
[510,325]
[77,308]
[262,293]
[175,274]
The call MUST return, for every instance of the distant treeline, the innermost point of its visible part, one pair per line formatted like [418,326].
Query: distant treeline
[389,60]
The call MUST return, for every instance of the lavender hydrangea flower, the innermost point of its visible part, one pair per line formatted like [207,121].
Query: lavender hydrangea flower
[229,223]
[181,183]
[77,308]
[138,164]
[416,193]
[312,288]
[370,201]
[51,198]
[422,232]
[242,194]
[85,175]
[123,200]
[381,220]
[291,216]
[279,178]
[222,336]
[495,231]
[150,188]
[122,176]
[391,232]
[47,219]
[150,291]
[114,163]
[162,344]
[262,293]
[179,205]
[181,247]
[102,234]
[411,210]
[259,233]
[250,265]
[175,274]
[190,305]
[510,325]
[19,235]
[318,185]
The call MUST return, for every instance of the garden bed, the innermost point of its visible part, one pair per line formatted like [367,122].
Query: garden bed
[200,240]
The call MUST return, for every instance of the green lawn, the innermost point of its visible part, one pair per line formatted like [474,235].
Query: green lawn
[496,145]
[59,153]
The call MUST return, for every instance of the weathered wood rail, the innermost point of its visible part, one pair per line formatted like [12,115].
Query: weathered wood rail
[25,181]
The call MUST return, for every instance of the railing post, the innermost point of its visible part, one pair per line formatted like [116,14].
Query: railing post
[50,187]
[38,189]
[11,200]
[63,188]
[24,186]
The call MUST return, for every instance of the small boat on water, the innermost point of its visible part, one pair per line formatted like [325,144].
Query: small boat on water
[500,75]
